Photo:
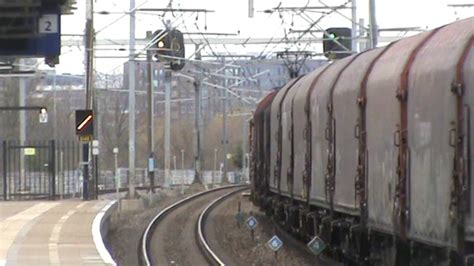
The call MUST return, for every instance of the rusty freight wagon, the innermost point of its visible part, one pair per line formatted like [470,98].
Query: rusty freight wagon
[372,153]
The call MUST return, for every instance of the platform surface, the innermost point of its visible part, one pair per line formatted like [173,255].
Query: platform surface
[49,232]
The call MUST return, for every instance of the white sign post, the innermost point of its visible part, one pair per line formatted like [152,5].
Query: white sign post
[95,147]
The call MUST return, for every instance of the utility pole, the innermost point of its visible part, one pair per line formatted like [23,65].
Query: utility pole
[117,177]
[224,129]
[95,149]
[197,117]
[89,83]
[131,103]
[55,118]
[197,139]
[373,24]
[215,166]
[22,102]
[183,173]
[151,125]
[95,156]
[251,9]
[54,107]
[354,26]
[168,79]
[168,76]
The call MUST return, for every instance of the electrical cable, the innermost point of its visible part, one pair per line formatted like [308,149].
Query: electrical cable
[121,17]
[206,40]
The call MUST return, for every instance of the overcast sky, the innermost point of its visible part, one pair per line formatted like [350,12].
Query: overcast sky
[232,17]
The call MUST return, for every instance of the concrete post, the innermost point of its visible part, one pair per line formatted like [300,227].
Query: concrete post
[131,103]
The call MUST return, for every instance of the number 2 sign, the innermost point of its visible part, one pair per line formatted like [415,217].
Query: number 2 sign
[49,23]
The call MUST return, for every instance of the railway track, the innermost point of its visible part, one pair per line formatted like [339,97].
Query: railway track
[211,255]
[177,235]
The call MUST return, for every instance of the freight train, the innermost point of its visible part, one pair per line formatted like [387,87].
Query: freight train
[372,153]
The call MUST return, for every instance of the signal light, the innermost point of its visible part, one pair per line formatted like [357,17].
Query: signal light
[84,122]
[43,115]
[172,45]
[337,43]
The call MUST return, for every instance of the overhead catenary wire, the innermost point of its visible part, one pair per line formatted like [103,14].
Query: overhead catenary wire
[206,40]
[284,39]
[152,42]
[121,17]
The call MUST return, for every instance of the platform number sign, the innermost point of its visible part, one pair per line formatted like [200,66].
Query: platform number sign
[48,23]
[316,245]
[251,223]
[275,243]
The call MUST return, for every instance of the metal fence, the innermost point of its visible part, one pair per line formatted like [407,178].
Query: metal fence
[177,177]
[39,169]
[53,170]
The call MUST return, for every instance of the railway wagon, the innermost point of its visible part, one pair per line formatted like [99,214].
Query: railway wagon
[259,139]
[372,153]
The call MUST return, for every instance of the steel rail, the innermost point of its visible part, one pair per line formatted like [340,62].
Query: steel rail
[144,248]
[210,255]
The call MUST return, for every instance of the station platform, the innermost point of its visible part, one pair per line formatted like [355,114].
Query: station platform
[51,233]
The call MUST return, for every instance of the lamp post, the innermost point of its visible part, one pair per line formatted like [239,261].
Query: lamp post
[215,165]
[183,173]
[174,164]
[117,178]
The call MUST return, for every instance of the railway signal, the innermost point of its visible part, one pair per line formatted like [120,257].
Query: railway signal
[85,124]
[171,48]
[337,43]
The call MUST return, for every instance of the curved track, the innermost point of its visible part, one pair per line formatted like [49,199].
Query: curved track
[173,235]
[211,255]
